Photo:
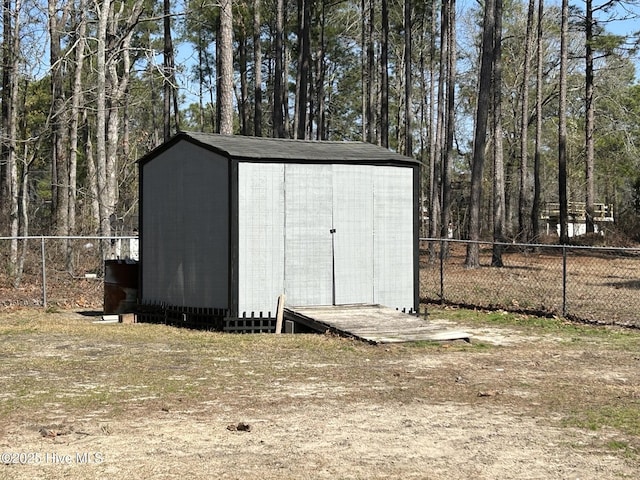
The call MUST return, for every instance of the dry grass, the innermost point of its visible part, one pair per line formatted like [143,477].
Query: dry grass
[159,399]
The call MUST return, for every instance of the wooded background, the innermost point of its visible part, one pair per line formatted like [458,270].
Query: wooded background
[508,105]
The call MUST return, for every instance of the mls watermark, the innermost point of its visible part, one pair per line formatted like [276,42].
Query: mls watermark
[51,458]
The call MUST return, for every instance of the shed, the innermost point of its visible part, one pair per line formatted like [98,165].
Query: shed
[229,223]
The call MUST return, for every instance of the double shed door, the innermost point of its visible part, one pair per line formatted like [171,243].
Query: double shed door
[328,234]
[325,234]
[349,235]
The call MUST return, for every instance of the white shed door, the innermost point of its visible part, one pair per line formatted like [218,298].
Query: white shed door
[308,223]
[353,237]
[348,235]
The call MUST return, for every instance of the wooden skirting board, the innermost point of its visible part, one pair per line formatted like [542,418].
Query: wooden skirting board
[371,323]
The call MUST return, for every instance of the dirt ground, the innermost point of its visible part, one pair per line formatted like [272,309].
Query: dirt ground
[84,400]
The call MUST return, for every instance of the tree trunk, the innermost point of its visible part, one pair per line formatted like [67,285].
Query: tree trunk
[5,167]
[278,80]
[166,83]
[408,81]
[589,120]
[302,75]
[225,95]
[101,119]
[119,71]
[498,159]
[449,127]
[440,135]
[365,80]
[524,214]
[23,209]
[11,129]
[562,124]
[218,62]
[480,135]
[257,70]
[59,121]
[321,69]
[384,75]
[371,68]
[92,172]
[76,99]
[368,69]
[535,210]
[244,81]
[434,185]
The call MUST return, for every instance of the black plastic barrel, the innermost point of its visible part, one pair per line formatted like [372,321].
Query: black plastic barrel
[120,286]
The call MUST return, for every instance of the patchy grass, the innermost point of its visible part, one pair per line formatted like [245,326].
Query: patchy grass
[60,367]
[623,417]
[539,325]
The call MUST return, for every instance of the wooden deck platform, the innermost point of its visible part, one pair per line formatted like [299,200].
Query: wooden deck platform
[371,323]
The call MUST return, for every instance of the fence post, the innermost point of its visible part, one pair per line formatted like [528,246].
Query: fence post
[564,280]
[442,247]
[44,274]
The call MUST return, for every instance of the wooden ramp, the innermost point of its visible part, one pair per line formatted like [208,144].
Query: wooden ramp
[372,323]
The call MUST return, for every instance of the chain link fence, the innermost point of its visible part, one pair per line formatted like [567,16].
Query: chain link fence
[66,272]
[589,284]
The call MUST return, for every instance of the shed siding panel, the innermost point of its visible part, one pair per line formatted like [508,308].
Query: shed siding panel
[353,239]
[394,237]
[186,229]
[260,237]
[308,212]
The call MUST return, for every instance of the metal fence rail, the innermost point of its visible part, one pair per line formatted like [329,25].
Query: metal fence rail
[591,284]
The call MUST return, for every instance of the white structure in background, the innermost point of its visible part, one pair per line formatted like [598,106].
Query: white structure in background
[576,225]
[126,249]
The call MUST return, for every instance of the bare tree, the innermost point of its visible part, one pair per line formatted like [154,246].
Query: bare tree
[368,69]
[408,82]
[257,70]
[449,126]
[106,204]
[589,120]
[114,34]
[5,167]
[562,123]
[168,80]
[321,74]
[480,135]
[225,94]
[535,210]
[434,130]
[439,147]
[10,82]
[59,124]
[524,214]
[498,159]
[302,73]
[433,186]
[384,75]
[243,61]
[76,100]
[278,76]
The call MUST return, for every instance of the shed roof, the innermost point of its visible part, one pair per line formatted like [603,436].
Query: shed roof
[262,149]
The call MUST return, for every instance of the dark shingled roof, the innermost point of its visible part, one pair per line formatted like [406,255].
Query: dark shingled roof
[276,149]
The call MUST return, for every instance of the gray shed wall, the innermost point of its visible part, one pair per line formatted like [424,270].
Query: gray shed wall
[185,234]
